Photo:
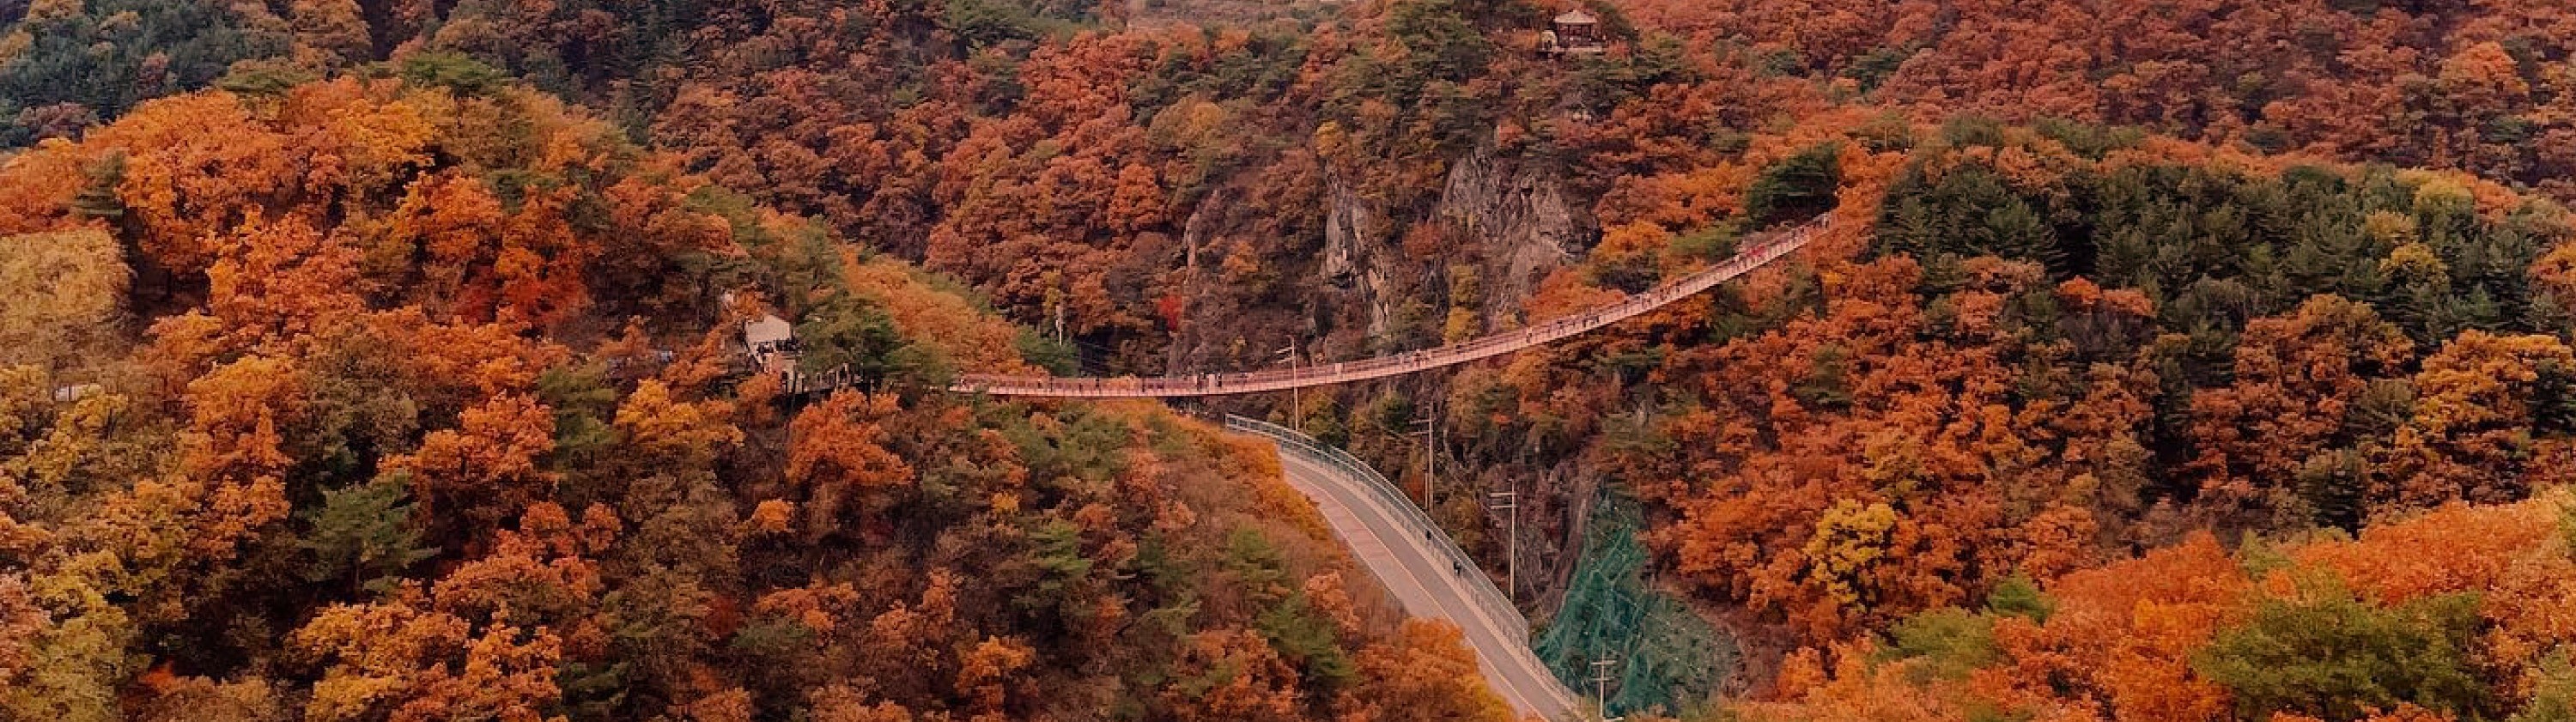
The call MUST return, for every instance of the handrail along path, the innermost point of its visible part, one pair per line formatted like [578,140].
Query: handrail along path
[1421,566]
[1326,374]
[1493,625]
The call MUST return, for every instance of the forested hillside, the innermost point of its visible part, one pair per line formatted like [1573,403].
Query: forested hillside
[2454,614]
[2136,317]
[2468,84]
[407,396]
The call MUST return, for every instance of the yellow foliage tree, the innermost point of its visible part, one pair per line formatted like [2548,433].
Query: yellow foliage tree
[1425,673]
[64,291]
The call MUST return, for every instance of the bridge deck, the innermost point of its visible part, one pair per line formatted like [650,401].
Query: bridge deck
[1745,260]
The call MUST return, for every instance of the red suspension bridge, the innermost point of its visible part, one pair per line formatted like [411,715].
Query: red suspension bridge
[1745,260]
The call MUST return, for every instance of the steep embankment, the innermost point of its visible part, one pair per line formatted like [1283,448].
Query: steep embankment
[342,401]
[1419,566]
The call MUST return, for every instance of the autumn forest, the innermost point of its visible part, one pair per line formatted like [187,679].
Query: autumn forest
[386,360]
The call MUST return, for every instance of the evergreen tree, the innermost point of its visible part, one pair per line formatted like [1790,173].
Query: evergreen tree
[844,331]
[1797,188]
[363,536]
[2336,657]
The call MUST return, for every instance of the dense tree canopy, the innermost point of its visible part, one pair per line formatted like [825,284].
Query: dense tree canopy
[2134,317]
[417,403]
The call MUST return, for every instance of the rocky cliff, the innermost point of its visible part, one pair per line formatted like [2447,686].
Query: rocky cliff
[1513,217]
[1338,278]
[1519,220]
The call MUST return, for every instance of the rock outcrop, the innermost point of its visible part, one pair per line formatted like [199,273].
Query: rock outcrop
[1358,252]
[1514,215]
[1520,220]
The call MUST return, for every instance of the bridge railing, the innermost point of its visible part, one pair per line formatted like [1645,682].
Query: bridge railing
[1745,259]
[1486,596]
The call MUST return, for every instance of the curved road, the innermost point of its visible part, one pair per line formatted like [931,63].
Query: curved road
[1425,571]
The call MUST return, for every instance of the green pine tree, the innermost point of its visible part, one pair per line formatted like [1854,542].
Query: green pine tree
[1799,187]
[363,535]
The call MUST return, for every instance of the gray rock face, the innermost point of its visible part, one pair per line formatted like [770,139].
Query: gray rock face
[1516,220]
[1521,220]
[1346,224]
[1357,252]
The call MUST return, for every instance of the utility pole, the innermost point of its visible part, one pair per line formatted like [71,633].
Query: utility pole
[1601,687]
[1430,474]
[1509,502]
[1296,394]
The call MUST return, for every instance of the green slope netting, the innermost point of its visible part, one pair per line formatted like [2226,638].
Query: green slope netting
[1668,658]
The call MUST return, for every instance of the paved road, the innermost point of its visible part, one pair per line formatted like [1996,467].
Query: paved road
[1420,575]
